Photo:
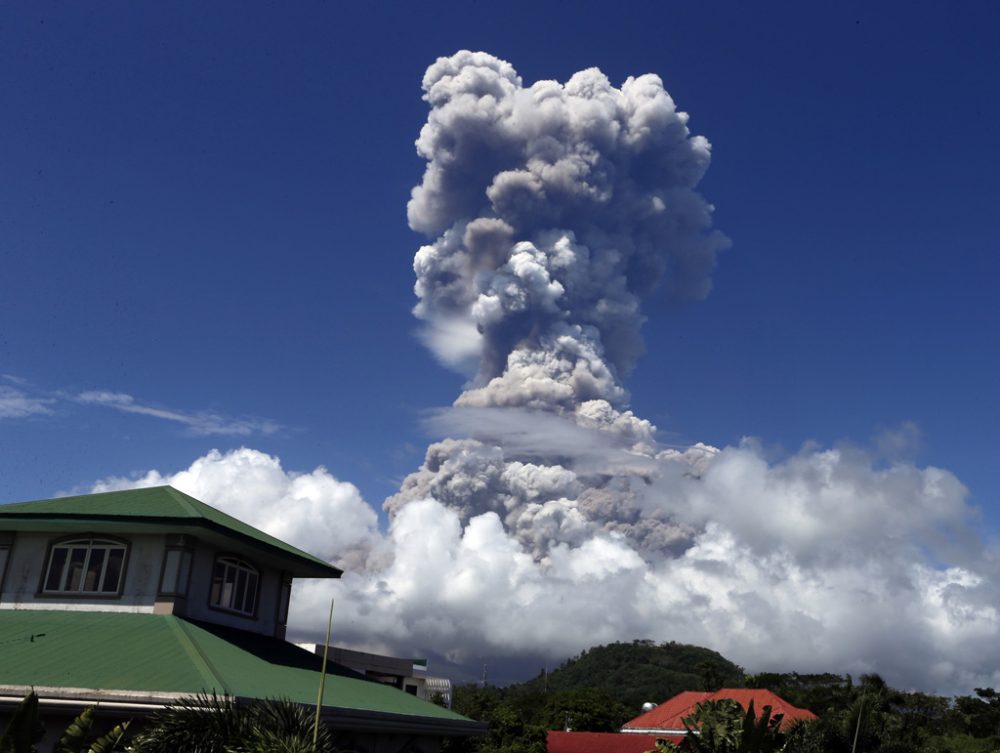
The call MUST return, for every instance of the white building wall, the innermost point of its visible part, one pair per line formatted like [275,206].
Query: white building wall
[28,559]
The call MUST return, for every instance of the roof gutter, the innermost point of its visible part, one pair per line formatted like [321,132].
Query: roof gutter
[74,699]
[653,731]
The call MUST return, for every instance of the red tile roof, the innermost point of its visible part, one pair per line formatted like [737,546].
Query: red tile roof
[669,715]
[604,742]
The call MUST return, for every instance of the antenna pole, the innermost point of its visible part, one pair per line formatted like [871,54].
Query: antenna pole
[322,678]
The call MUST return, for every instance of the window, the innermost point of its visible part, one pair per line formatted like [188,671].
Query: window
[176,571]
[6,539]
[234,586]
[283,597]
[85,566]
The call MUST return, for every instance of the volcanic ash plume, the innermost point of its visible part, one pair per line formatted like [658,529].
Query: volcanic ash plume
[556,209]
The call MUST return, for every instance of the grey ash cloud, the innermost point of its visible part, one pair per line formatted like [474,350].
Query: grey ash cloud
[556,209]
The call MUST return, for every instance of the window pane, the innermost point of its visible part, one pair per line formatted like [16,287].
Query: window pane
[182,573]
[74,575]
[113,571]
[171,566]
[55,568]
[248,604]
[227,587]
[94,567]
[216,593]
[283,603]
[239,596]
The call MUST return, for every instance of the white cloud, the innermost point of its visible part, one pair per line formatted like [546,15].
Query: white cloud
[826,561]
[200,423]
[15,403]
[314,511]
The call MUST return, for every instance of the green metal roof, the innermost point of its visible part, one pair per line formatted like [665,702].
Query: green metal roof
[167,654]
[160,504]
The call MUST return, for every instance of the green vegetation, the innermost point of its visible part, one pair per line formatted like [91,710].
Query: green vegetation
[209,724]
[641,671]
[203,724]
[724,727]
[597,691]
[604,687]
[25,728]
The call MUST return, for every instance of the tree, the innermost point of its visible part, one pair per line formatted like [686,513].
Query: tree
[584,710]
[724,727]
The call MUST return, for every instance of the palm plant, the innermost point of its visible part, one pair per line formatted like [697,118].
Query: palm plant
[210,724]
[281,727]
[25,729]
[77,737]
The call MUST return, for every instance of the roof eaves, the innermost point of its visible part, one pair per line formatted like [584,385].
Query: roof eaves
[151,701]
[376,721]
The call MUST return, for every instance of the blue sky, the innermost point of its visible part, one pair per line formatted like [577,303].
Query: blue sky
[204,208]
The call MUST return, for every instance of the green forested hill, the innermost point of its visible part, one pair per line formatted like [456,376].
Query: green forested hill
[640,671]
[605,686]
[597,691]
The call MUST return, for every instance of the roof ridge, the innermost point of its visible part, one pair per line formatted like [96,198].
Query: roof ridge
[201,662]
[184,500]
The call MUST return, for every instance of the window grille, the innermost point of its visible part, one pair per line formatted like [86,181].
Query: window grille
[85,566]
[234,586]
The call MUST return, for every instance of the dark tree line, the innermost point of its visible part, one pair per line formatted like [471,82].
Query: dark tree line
[605,686]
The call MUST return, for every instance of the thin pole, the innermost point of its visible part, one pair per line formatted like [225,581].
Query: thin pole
[322,679]
[857,729]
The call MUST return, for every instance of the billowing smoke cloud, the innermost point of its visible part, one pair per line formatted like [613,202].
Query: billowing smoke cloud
[548,518]
[556,209]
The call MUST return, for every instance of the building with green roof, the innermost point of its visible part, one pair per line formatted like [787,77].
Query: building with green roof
[135,599]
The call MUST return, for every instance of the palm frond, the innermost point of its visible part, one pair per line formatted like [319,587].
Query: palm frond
[73,739]
[24,728]
[110,741]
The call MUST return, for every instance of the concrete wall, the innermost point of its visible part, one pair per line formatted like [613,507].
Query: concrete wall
[28,559]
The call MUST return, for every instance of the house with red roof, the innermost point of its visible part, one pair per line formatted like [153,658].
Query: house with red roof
[666,722]
[668,717]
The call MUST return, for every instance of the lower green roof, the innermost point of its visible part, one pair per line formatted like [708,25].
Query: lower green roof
[167,654]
